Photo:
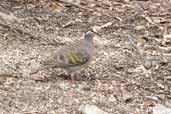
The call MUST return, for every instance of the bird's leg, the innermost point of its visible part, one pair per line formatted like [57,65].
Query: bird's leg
[72,77]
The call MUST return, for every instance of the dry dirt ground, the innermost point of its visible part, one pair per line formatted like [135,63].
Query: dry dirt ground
[129,74]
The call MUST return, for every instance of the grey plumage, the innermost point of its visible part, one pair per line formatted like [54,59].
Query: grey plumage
[72,57]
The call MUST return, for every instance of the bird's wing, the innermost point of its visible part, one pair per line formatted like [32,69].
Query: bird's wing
[73,56]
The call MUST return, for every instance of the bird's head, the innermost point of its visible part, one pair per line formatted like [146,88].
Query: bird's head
[89,36]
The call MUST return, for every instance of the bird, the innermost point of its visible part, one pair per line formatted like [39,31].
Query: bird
[72,57]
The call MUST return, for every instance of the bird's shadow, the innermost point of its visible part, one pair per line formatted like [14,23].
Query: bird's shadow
[77,77]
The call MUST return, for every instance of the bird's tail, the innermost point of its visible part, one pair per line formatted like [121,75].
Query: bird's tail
[40,68]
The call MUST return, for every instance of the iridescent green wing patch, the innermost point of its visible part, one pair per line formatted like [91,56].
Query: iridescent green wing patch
[76,58]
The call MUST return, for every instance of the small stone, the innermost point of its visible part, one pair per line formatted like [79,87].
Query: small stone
[138,28]
[91,109]
[127,97]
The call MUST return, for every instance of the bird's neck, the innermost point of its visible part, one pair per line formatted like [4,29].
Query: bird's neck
[89,40]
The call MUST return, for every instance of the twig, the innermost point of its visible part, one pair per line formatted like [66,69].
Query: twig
[18,30]
[8,76]
[8,19]
[76,5]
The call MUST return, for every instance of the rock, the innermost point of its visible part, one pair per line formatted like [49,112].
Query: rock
[91,109]
[160,109]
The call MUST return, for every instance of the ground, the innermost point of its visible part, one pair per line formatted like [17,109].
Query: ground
[130,71]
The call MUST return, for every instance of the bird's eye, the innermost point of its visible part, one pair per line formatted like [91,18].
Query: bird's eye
[61,57]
